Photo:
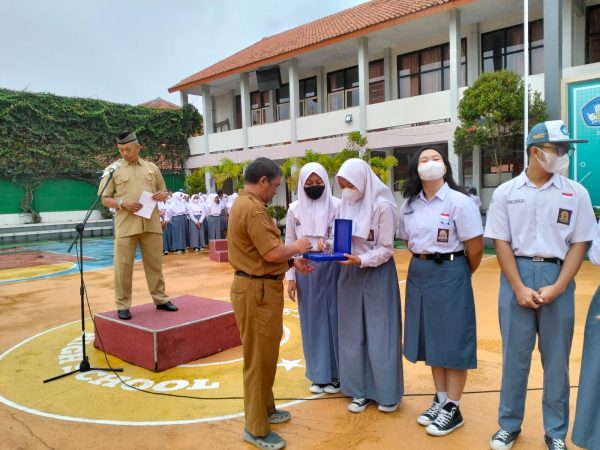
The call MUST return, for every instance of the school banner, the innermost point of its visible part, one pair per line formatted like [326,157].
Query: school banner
[584,123]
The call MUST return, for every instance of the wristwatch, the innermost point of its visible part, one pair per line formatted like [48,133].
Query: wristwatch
[120,203]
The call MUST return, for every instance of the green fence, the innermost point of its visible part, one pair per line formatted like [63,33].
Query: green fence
[62,194]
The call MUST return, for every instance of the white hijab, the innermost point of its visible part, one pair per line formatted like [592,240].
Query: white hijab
[358,172]
[178,205]
[196,205]
[315,215]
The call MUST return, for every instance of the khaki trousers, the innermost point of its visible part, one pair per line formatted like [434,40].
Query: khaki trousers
[151,245]
[258,308]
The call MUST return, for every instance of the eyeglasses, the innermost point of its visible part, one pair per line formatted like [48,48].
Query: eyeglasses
[561,150]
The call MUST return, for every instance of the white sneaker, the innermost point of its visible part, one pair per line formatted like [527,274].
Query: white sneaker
[388,408]
[316,388]
[359,404]
[333,387]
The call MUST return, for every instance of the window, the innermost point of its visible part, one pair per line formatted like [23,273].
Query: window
[260,108]
[283,102]
[428,70]
[309,101]
[592,35]
[512,165]
[376,82]
[342,89]
[404,155]
[503,49]
[238,112]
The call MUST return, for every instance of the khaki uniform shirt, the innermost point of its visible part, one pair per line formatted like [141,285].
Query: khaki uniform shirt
[127,184]
[251,234]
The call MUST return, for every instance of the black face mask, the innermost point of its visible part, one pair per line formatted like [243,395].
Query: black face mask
[315,192]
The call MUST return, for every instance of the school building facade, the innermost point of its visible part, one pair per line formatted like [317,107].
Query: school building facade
[395,71]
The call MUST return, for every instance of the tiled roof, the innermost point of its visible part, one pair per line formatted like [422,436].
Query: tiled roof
[346,24]
[160,103]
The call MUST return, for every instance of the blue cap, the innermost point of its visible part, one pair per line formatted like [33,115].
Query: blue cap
[553,131]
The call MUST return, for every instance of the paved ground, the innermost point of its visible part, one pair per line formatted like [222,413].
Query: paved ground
[38,305]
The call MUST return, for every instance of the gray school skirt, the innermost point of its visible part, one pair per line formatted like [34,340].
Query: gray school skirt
[439,324]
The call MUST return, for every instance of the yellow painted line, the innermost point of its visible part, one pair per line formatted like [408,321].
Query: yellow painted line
[21,273]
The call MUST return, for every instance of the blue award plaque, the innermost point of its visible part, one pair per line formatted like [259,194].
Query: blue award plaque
[342,243]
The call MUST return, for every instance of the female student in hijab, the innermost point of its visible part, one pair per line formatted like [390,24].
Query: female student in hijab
[196,215]
[586,430]
[214,217]
[178,223]
[312,217]
[440,223]
[369,321]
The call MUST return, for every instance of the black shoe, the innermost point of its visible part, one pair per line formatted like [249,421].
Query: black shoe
[167,306]
[124,314]
[554,443]
[448,419]
[503,440]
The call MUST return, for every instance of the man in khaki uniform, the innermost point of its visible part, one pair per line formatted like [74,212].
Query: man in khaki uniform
[131,176]
[260,261]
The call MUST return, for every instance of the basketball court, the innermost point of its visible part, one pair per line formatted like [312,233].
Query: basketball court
[198,404]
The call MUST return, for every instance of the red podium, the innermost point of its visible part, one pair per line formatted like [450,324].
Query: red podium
[218,250]
[159,340]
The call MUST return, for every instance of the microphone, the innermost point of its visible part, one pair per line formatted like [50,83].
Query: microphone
[112,168]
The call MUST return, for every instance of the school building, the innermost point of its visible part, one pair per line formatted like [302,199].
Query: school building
[395,70]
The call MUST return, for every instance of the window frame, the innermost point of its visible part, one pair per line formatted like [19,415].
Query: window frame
[441,69]
[588,34]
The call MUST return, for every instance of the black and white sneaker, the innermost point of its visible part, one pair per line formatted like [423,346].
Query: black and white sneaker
[503,440]
[448,419]
[555,443]
[359,404]
[333,387]
[430,413]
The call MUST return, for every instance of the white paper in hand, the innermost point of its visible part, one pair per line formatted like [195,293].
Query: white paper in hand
[148,205]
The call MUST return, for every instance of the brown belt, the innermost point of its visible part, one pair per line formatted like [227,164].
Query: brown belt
[279,277]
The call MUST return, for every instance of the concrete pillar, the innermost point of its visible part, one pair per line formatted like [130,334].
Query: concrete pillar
[363,83]
[183,97]
[210,184]
[552,56]
[455,35]
[293,80]
[473,54]
[245,101]
[477,168]
[567,34]
[208,115]
[322,89]
[387,73]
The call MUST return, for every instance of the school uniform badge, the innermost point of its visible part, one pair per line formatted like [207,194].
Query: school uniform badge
[442,235]
[564,216]
[445,219]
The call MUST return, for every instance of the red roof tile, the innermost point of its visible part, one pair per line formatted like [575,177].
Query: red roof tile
[160,103]
[346,24]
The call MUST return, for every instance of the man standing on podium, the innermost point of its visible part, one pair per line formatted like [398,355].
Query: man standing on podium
[131,175]
[260,261]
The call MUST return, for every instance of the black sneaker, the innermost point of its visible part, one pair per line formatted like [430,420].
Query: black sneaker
[333,387]
[359,404]
[430,413]
[555,443]
[448,419]
[503,440]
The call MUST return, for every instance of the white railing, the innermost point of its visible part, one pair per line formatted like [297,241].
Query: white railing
[270,133]
[225,140]
[326,124]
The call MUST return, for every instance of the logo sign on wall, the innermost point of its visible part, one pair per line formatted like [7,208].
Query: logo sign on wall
[584,123]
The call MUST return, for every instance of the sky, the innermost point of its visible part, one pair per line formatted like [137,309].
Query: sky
[132,51]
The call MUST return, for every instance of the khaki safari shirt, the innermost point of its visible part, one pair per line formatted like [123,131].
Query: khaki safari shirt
[251,234]
[127,184]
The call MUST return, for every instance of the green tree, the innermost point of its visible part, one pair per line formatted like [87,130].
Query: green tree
[491,115]
[195,181]
[226,170]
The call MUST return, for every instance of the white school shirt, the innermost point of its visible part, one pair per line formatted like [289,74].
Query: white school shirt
[440,224]
[192,213]
[378,248]
[215,209]
[594,253]
[293,230]
[541,221]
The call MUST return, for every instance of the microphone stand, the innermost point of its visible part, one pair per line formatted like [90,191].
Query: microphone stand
[84,365]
